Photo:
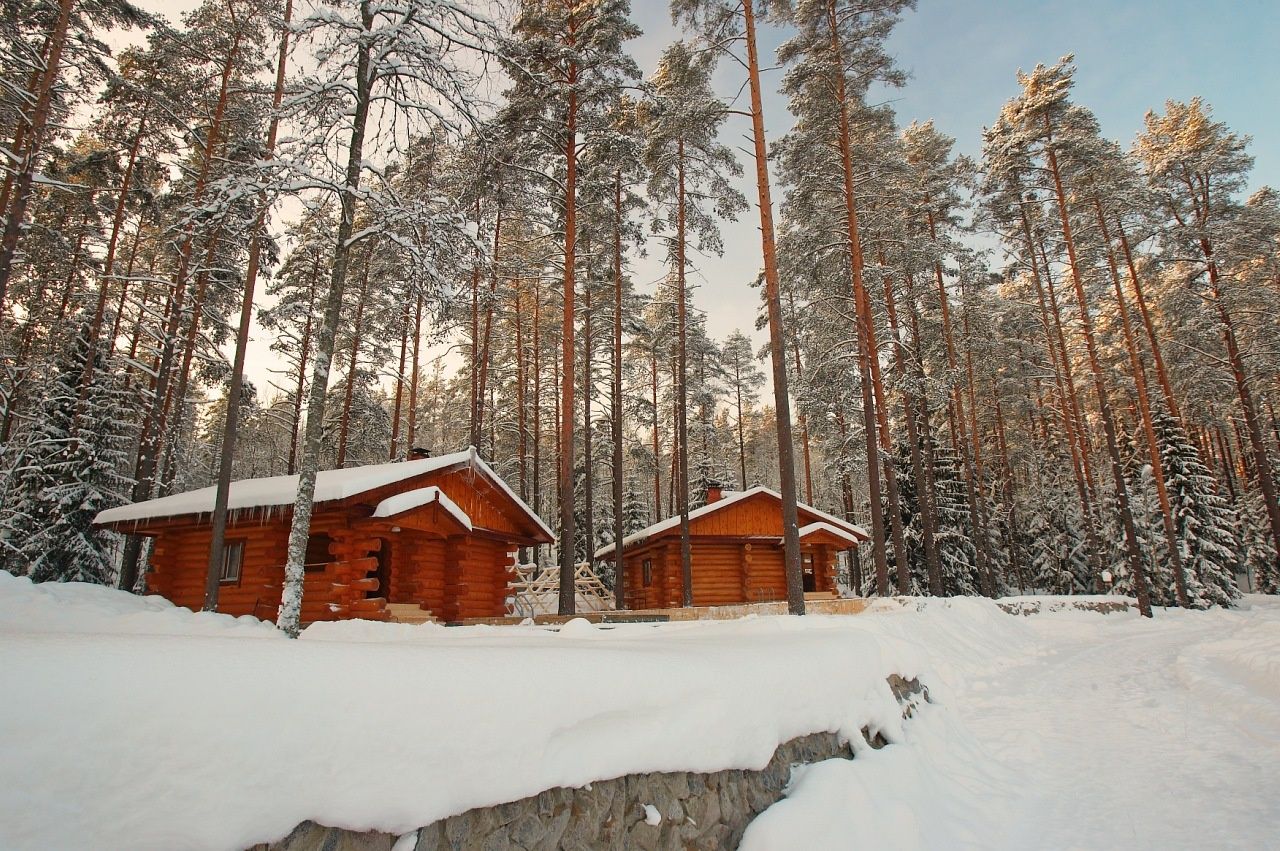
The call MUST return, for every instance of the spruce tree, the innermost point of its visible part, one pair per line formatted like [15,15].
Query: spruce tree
[1206,523]
[68,471]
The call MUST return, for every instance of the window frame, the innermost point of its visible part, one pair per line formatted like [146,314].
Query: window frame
[227,576]
[646,572]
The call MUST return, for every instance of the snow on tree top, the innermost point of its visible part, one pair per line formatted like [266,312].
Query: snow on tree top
[409,500]
[331,485]
[835,524]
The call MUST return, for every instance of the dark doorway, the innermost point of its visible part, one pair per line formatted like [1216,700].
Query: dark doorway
[810,578]
[383,572]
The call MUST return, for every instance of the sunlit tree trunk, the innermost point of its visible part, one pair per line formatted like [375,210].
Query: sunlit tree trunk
[1132,552]
[777,350]
[1139,372]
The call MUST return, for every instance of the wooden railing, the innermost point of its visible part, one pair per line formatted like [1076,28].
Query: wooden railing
[536,591]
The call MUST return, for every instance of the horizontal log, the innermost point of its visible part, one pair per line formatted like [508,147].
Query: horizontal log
[369,604]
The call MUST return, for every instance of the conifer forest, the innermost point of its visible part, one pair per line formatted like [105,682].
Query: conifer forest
[272,237]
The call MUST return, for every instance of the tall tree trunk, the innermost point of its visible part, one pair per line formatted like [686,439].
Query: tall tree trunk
[777,350]
[289,617]
[742,437]
[864,325]
[657,446]
[569,371]
[1139,372]
[619,589]
[1261,462]
[399,400]
[588,462]
[1132,552]
[1076,409]
[35,134]
[486,334]
[124,287]
[353,368]
[682,390]
[537,409]
[886,448]
[1139,297]
[804,419]
[474,372]
[522,393]
[415,376]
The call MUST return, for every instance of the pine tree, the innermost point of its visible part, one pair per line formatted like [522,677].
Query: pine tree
[686,163]
[68,471]
[568,65]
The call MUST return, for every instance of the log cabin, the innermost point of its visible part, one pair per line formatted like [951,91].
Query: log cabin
[736,543]
[429,539]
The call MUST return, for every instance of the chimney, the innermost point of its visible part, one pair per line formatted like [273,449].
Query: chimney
[714,493]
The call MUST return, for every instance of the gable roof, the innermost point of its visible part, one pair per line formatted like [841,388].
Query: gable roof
[730,498]
[842,531]
[331,486]
[397,504]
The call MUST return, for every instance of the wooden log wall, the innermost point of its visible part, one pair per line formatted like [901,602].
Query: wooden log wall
[180,559]
[724,573]
[417,573]
[462,577]
[477,574]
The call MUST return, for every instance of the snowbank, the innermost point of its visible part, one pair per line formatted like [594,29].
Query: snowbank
[180,734]
[936,788]
[78,609]
[134,724]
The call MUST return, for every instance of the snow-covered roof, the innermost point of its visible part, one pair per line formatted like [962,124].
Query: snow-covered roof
[727,499]
[823,526]
[331,485]
[409,500]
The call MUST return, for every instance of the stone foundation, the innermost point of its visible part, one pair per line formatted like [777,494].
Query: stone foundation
[1035,607]
[698,811]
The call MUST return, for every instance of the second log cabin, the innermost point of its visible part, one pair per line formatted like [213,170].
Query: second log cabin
[736,542]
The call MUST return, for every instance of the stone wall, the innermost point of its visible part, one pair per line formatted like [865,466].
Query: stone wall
[688,810]
[1035,607]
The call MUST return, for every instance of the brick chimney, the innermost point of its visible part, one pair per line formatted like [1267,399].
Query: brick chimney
[714,492]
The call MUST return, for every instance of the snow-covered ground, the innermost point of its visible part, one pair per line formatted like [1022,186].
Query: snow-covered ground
[1068,730]
[131,724]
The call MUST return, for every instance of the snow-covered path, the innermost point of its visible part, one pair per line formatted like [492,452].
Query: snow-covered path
[1139,734]
[1062,730]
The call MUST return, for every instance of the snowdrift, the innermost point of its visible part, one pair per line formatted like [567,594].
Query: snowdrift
[132,723]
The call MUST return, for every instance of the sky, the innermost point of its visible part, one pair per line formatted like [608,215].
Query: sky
[963,57]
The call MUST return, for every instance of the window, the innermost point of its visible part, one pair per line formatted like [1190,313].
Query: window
[317,557]
[232,560]
[648,572]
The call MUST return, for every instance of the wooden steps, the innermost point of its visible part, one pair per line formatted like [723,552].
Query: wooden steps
[410,613]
